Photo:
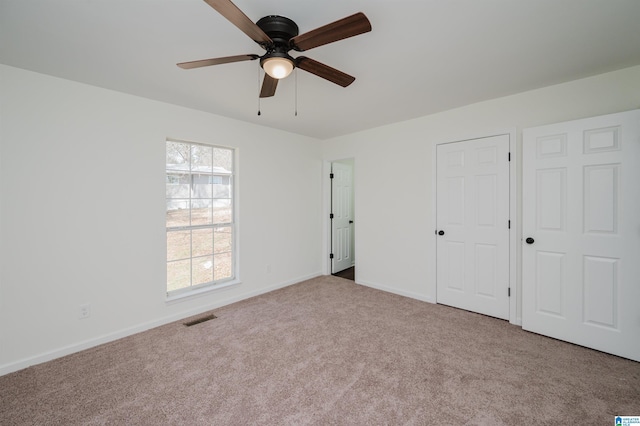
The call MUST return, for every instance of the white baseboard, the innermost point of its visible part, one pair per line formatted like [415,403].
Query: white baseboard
[518,320]
[110,337]
[410,294]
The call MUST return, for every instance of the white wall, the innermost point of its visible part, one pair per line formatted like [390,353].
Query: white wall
[394,178]
[61,140]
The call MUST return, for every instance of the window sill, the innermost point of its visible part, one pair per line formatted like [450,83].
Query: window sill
[189,294]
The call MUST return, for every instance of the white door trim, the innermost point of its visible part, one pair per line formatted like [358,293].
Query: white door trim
[326,222]
[515,282]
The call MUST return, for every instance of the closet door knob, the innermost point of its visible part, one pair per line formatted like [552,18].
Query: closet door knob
[530,240]
[441,232]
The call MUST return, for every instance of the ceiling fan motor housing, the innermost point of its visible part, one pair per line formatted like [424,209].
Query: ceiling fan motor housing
[279,29]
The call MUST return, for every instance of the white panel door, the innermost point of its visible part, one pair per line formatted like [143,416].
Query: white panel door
[472,196]
[581,229]
[341,207]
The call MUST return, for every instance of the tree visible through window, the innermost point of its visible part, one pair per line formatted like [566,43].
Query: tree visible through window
[200,217]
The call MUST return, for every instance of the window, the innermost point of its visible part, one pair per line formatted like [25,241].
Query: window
[200,216]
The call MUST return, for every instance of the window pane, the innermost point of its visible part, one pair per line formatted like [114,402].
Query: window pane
[201,186]
[178,274]
[201,158]
[177,213]
[222,211]
[177,185]
[201,212]
[202,242]
[221,187]
[178,156]
[178,245]
[223,266]
[222,239]
[223,158]
[202,270]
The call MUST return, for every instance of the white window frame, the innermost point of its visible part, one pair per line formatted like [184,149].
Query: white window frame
[232,179]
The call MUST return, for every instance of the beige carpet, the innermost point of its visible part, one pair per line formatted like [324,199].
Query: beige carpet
[328,351]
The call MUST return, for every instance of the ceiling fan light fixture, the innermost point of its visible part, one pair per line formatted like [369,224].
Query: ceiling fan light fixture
[277,67]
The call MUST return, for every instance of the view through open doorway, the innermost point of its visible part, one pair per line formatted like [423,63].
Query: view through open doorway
[342,219]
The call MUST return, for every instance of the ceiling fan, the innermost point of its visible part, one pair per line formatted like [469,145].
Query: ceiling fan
[279,35]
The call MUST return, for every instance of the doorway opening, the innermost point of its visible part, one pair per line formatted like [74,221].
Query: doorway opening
[341,216]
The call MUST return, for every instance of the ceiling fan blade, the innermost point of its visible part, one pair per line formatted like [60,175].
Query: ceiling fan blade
[324,71]
[344,28]
[269,85]
[234,15]
[216,61]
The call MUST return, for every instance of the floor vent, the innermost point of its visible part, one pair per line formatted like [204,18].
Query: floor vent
[200,320]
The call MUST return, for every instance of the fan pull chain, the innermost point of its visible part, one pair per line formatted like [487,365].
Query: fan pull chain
[296,103]
[259,113]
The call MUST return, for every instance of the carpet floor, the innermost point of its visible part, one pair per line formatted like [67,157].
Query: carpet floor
[327,351]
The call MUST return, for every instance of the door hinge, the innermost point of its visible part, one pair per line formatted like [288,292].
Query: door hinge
[509,225]
[330,215]
[330,175]
[330,255]
[509,157]
[509,292]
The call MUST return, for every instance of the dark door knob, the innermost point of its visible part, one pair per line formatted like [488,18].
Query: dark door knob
[441,232]
[350,221]
[530,240]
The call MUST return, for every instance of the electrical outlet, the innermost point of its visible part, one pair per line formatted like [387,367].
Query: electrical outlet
[84,311]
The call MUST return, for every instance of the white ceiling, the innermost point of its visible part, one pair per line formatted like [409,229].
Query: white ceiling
[422,57]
